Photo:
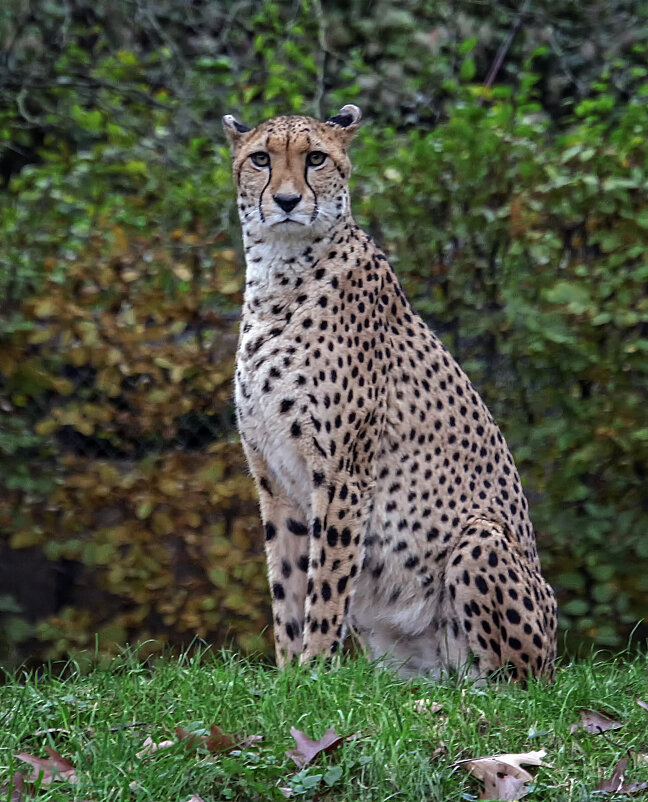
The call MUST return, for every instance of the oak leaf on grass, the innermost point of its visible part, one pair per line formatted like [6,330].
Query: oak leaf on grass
[595,721]
[615,783]
[502,775]
[50,768]
[307,749]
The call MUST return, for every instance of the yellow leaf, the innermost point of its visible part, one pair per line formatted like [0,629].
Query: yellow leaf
[182,272]
[44,308]
[120,243]
[46,427]
[25,540]
[230,287]
[161,523]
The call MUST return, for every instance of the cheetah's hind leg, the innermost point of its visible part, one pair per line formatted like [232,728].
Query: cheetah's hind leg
[500,601]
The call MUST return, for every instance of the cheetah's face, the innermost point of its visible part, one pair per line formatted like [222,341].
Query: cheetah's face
[292,173]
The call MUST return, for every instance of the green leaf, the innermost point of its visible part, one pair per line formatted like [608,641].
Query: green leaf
[333,775]
[575,607]
[467,70]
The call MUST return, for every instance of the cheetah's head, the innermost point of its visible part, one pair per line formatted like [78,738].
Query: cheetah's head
[292,173]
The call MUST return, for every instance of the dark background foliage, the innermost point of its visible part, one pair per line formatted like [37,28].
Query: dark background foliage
[502,165]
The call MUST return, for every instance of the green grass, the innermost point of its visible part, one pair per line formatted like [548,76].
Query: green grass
[397,756]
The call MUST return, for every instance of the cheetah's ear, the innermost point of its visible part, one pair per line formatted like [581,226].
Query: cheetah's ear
[346,121]
[234,129]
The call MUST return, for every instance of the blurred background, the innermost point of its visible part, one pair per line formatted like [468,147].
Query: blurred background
[502,165]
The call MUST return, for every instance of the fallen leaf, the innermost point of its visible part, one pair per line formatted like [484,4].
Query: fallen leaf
[16,788]
[441,749]
[595,721]
[504,787]
[49,769]
[615,785]
[426,706]
[642,704]
[195,798]
[150,746]
[503,775]
[216,741]
[615,782]
[307,749]
[248,740]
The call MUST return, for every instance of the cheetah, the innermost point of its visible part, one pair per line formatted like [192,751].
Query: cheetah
[390,501]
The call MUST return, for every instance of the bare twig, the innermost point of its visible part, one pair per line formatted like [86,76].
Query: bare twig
[505,47]
[321,72]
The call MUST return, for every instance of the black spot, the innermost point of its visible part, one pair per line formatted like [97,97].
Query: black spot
[495,647]
[480,582]
[513,616]
[296,527]
[318,478]
[326,591]
[270,530]
[295,429]
[286,569]
[286,404]
[278,591]
[332,536]
[514,643]
[342,583]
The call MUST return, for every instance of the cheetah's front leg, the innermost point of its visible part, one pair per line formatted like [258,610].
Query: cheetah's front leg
[337,525]
[286,546]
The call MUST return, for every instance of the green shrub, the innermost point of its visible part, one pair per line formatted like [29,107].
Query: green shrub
[516,216]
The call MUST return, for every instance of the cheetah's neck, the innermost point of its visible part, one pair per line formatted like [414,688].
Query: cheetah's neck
[273,256]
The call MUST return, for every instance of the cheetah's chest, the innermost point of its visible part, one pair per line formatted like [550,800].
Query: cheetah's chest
[262,382]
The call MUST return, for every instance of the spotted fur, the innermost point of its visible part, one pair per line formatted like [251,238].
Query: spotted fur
[390,500]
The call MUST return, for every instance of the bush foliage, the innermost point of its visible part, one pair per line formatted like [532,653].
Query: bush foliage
[514,206]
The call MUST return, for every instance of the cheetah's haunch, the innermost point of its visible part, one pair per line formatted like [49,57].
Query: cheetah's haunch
[389,497]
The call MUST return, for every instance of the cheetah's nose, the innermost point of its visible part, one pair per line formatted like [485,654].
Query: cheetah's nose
[287,202]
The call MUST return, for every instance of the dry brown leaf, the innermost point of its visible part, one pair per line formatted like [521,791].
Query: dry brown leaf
[615,785]
[150,746]
[503,775]
[248,740]
[49,769]
[595,721]
[16,788]
[216,741]
[307,749]
[426,706]
[504,787]
[441,749]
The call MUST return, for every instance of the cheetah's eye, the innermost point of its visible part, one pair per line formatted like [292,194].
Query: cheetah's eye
[315,158]
[260,159]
